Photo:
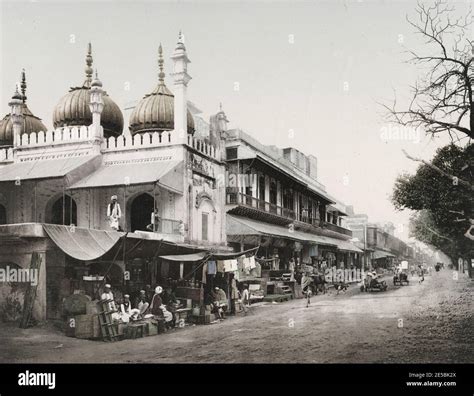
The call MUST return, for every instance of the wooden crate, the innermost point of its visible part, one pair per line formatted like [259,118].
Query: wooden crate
[87,326]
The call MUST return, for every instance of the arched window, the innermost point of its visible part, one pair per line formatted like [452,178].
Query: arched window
[140,212]
[64,211]
[3,215]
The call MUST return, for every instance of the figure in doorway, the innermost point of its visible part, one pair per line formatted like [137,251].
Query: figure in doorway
[114,213]
[155,221]
[291,268]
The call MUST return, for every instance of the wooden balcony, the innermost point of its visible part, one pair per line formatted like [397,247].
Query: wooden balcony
[336,228]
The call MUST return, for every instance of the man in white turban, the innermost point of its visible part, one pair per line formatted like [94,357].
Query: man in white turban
[157,308]
[108,296]
[114,213]
[128,313]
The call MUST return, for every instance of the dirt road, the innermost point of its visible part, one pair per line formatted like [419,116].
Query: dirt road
[419,323]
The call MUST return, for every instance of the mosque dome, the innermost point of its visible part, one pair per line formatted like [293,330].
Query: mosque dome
[155,112]
[73,108]
[31,123]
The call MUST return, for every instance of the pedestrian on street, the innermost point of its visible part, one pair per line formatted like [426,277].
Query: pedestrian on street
[245,299]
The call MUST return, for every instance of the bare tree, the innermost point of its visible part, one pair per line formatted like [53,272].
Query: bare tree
[442,100]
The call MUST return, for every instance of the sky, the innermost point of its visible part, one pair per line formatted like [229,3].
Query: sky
[306,74]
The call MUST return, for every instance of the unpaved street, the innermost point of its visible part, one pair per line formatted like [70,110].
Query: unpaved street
[419,323]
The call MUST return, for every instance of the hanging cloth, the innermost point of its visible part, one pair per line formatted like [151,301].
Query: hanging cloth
[211,267]
[230,265]
[252,264]
[221,265]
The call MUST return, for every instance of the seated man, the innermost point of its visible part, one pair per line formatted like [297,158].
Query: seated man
[158,309]
[126,311]
[108,296]
[220,302]
[142,303]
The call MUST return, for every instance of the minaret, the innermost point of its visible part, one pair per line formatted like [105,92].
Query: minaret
[16,115]
[23,85]
[181,79]
[88,69]
[96,106]
[222,119]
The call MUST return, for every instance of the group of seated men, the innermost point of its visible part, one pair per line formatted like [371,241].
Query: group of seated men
[161,304]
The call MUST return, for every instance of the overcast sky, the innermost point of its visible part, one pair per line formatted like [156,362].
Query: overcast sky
[319,69]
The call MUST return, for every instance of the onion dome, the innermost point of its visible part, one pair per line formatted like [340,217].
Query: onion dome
[155,112]
[73,108]
[31,123]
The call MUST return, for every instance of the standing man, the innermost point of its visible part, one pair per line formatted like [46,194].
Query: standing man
[245,299]
[114,213]
[155,221]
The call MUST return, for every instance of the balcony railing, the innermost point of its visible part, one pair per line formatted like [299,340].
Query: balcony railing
[168,226]
[336,228]
[252,202]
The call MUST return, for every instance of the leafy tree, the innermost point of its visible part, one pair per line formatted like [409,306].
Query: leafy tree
[442,192]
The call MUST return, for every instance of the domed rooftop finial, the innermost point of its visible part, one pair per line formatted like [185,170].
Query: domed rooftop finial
[96,82]
[16,94]
[161,75]
[23,85]
[88,68]
[180,44]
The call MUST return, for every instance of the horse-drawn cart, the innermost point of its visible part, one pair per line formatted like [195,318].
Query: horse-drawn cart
[371,283]
[400,278]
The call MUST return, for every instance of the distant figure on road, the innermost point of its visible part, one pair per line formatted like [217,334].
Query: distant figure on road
[421,274]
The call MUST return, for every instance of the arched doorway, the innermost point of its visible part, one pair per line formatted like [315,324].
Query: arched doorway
[3,215]
[64,211]
[140,212]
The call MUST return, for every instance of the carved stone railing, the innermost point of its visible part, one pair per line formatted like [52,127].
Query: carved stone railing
[203,147]
[6,154]
[57,136]
[140,141]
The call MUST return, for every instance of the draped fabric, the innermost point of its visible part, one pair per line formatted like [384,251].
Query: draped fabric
[82,243]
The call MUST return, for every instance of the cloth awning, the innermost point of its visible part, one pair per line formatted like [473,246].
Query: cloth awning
[378,254]
[348,246]
[185,257]
[73,169]
[82,243]
[243,226]
[210,255]
[168,174]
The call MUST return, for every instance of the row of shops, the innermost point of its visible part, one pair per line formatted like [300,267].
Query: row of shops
[79,261]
